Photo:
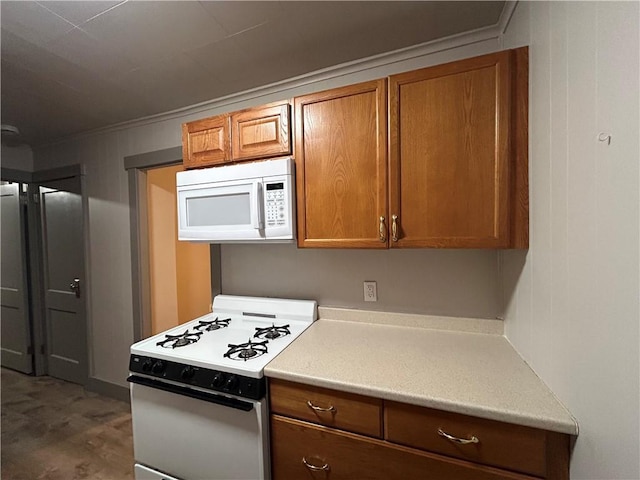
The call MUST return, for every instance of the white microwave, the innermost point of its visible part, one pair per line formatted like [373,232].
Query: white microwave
[241,203]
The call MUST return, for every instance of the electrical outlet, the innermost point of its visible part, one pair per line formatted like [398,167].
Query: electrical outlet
[370,291]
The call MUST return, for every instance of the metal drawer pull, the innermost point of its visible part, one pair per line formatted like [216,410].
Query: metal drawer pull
[460,441]
[315,468]
[383,230]
[331,409]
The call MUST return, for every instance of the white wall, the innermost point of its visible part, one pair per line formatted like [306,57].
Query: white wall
[110,302]
[19,157]
[572,306]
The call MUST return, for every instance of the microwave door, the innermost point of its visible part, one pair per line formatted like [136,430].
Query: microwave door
[225,211]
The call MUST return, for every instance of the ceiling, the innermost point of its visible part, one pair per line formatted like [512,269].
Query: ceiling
[73,66]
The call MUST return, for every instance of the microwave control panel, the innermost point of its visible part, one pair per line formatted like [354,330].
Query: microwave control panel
[276,204]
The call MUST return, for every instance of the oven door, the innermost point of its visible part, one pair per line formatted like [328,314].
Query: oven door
[221,211]
[196,437]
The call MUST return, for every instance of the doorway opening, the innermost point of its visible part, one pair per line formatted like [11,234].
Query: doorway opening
[179,272]
[172,282]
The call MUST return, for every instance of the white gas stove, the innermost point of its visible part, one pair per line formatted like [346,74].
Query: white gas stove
[203,382]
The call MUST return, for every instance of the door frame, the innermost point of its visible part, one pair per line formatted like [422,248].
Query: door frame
[36,262]
[136,167]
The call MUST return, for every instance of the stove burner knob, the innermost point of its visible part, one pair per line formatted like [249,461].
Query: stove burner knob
[146,365]
[158,367]
[232,382]
[218,380]
[187,373]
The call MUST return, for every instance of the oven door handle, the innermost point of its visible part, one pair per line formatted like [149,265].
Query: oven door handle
[197,394]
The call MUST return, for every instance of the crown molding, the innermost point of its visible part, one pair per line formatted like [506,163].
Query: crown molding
[506,15]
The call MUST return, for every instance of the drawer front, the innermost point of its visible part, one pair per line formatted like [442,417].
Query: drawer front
[499,444]
[346,411]
[335,455]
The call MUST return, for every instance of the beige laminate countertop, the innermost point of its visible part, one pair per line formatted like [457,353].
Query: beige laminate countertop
[469,373]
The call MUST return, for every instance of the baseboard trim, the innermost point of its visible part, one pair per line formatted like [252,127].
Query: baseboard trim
[108,389]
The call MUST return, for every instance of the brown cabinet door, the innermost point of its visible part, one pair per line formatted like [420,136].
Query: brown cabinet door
[261,132]
[304,451]
[450,177]
[341,167]
[206,142]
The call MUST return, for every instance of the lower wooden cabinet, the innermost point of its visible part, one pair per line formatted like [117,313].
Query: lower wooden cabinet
[345,411]
[319,433]
[498,444]
[302,450]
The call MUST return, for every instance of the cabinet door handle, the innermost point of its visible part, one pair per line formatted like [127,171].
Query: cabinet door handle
[394,228]
[331,408]
[383,230]
[315,468]
[459,441]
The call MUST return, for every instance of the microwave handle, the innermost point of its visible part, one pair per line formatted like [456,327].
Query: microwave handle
[256,212]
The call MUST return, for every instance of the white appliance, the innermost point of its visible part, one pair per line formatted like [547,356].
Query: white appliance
[246,202]
[198,394]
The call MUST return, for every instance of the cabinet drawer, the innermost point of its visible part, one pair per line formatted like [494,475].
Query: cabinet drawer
[346,411]
[499,444]
[335,455]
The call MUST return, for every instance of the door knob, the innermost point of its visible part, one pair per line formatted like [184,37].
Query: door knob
[75,287]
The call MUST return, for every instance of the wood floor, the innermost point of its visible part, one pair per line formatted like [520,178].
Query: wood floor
[54,430]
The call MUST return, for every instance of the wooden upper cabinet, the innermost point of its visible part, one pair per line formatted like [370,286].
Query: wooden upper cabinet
[456,166]
[341,167]
[259,132]
[457,175]
[206,142]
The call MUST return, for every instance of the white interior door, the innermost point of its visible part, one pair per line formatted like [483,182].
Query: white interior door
[16,329]
[64,292]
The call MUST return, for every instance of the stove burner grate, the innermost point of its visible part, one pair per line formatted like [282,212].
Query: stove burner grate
[272,332]
[182,340]
[246,351]
[212,325]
